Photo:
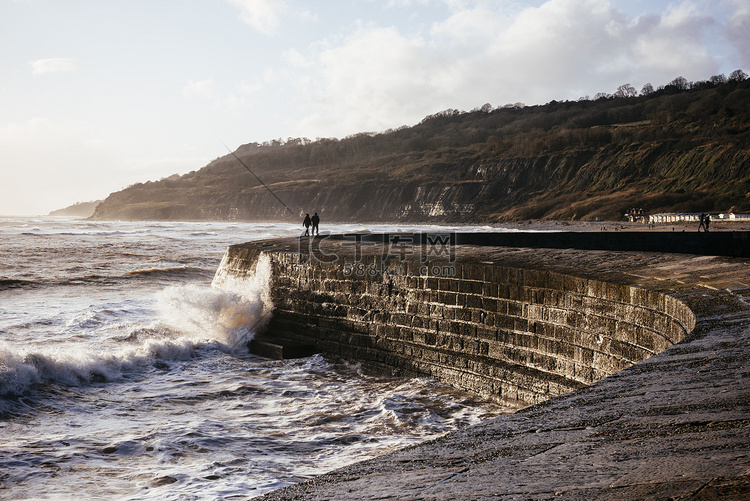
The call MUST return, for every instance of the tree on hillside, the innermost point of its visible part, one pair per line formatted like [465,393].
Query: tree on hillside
[737,76]
[626,90]
[679,83]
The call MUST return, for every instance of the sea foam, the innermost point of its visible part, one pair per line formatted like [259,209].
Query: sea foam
[191,318]
[230,311]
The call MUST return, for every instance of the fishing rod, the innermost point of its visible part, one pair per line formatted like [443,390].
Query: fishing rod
[251,330]
[259,179]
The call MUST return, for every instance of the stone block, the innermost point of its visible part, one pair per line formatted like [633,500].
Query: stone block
[490,289]
[477,316]
[521,325]
[468,329]
[471,301]
[580,354]
[475,272]
[419,336]
[505,322]
[448,284]
[486,333]
[488,304]
[448,298]
[515,308]
[463,286]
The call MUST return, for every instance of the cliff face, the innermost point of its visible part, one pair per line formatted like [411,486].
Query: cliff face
[584,185]
[683,152]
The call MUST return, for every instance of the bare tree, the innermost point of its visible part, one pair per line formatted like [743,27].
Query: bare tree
[737,76]
[647,89]
[485,108]
[626,90]
[718,79]
[680,83]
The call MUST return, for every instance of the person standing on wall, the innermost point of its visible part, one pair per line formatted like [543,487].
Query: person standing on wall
[306,223]
[315,222]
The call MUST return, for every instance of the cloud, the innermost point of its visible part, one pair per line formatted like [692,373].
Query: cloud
[53,65]
[242,95]
[673,43]
[379,77]
[739,32]
[376,71]
[263,15]
[200,88]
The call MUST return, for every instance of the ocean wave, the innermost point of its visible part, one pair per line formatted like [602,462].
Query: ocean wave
[21,370]
[192,318]
[12,283]
[6,284]
[168,274]
[176,271]
[229,310]
[25,372]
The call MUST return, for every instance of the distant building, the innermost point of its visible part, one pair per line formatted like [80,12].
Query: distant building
[636,215]
[694,217]
[675,217]
[734,217]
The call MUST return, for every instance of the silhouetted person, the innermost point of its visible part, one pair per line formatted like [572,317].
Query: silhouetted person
[702,223]
[315,222]
[707,221]
[306,223]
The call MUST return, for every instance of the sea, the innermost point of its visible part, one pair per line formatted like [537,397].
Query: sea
[125,373]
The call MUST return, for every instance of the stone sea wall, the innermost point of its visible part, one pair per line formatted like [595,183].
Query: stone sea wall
[518,334]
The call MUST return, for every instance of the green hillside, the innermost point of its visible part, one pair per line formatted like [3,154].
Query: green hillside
[682,147]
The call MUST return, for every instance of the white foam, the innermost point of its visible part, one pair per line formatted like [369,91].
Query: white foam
[229,311]
[197,317]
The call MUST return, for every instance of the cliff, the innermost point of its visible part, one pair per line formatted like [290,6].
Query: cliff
[671,150]
[80,209]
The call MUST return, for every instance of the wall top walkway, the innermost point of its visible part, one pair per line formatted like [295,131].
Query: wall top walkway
[725,243]
[674,426]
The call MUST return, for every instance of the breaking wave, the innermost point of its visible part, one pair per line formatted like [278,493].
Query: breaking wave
[193,318]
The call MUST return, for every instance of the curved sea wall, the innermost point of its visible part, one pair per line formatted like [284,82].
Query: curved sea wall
[518,334]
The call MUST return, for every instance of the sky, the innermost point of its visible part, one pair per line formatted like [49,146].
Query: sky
[96,95]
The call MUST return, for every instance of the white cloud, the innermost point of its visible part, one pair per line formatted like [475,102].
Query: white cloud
[53,65]
[263,15]
[738,32]
[200,88]
[673,44]
[295,59]
[243,95]
[379,77]
[406,3]
[374,78]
